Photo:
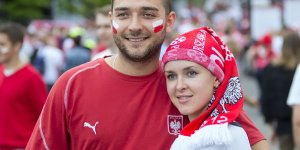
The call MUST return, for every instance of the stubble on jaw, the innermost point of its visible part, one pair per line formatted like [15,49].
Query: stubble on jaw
[151,51]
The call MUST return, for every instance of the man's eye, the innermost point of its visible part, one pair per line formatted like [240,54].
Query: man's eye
[107,26]
[149,15]
[192,73]
[122,15]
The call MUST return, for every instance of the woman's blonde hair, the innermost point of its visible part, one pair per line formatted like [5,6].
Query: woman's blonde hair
[290,54]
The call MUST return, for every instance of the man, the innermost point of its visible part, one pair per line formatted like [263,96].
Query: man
[22,90]
[119,102]
[106,45]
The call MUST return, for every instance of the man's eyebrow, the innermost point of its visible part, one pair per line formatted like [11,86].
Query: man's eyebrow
[150,8]
[145,8]
[121,8]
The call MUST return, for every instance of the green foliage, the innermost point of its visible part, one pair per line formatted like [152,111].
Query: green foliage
[24,10]
[82,7]
[92,4]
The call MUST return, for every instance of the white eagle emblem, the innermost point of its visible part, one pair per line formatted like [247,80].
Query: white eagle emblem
[175,124]
[232,94]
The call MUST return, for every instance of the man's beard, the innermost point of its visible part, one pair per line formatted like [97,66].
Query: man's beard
[149,53]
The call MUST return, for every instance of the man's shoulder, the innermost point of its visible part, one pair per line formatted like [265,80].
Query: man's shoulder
[83,67]
[29,75]
[29,70]
[79,73]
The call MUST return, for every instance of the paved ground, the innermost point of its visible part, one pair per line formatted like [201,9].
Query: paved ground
[250,88]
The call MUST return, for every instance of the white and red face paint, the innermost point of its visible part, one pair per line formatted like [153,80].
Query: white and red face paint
[4,50]
[158,25]
[115,27]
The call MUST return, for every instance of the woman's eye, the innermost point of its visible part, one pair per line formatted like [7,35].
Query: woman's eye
[171,76]
[192,73]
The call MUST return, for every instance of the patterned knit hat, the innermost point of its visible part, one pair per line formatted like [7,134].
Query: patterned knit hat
[204,47]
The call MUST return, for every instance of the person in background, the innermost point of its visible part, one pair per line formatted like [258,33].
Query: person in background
[53,59]
[120,102]
[106,45]
[22,90]
[78,54]
[203,83]
[294,102]
[276,82]
[259,55]
[236,51]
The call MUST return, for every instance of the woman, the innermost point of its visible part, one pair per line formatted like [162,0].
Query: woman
[277,79]
[203,83]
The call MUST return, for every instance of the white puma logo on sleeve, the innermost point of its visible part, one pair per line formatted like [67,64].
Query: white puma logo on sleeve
[86,124]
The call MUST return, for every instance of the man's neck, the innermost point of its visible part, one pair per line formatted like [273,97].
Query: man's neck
[113,47]
[13,65]
[131,68]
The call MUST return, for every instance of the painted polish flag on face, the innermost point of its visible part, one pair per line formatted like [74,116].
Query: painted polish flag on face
[158,25]
[115,27]
[4,50]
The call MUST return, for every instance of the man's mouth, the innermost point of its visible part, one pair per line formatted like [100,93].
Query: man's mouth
[140,39]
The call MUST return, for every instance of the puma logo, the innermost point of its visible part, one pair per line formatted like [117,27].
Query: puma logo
[86,124]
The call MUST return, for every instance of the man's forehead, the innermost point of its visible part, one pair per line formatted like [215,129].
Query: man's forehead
[138,5]
[4,36]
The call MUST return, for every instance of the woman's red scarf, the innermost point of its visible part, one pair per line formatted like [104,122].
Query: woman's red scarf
[204,47]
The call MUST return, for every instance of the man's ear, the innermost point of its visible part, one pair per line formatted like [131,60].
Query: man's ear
[17,47]
[110,15]
[170,21]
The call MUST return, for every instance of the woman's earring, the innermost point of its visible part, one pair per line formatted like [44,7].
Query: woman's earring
[217,83]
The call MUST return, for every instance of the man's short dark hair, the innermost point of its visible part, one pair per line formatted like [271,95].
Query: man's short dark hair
[167,5]
[14,31]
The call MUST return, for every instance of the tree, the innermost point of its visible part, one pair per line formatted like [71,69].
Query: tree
[27,10]
[83,7]
[23,10]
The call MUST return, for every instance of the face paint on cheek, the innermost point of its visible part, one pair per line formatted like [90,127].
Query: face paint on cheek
[158,25]
[4,50]
[115,27]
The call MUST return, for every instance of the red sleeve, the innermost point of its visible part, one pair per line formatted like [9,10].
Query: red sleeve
[50,131]
[254,135]
[37,93]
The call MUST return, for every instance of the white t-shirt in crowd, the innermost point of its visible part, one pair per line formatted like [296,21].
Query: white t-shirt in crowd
[294,94]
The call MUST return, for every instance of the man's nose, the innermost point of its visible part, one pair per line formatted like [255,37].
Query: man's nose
[135,24]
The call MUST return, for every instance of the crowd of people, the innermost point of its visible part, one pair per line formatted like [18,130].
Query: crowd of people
[141,78]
